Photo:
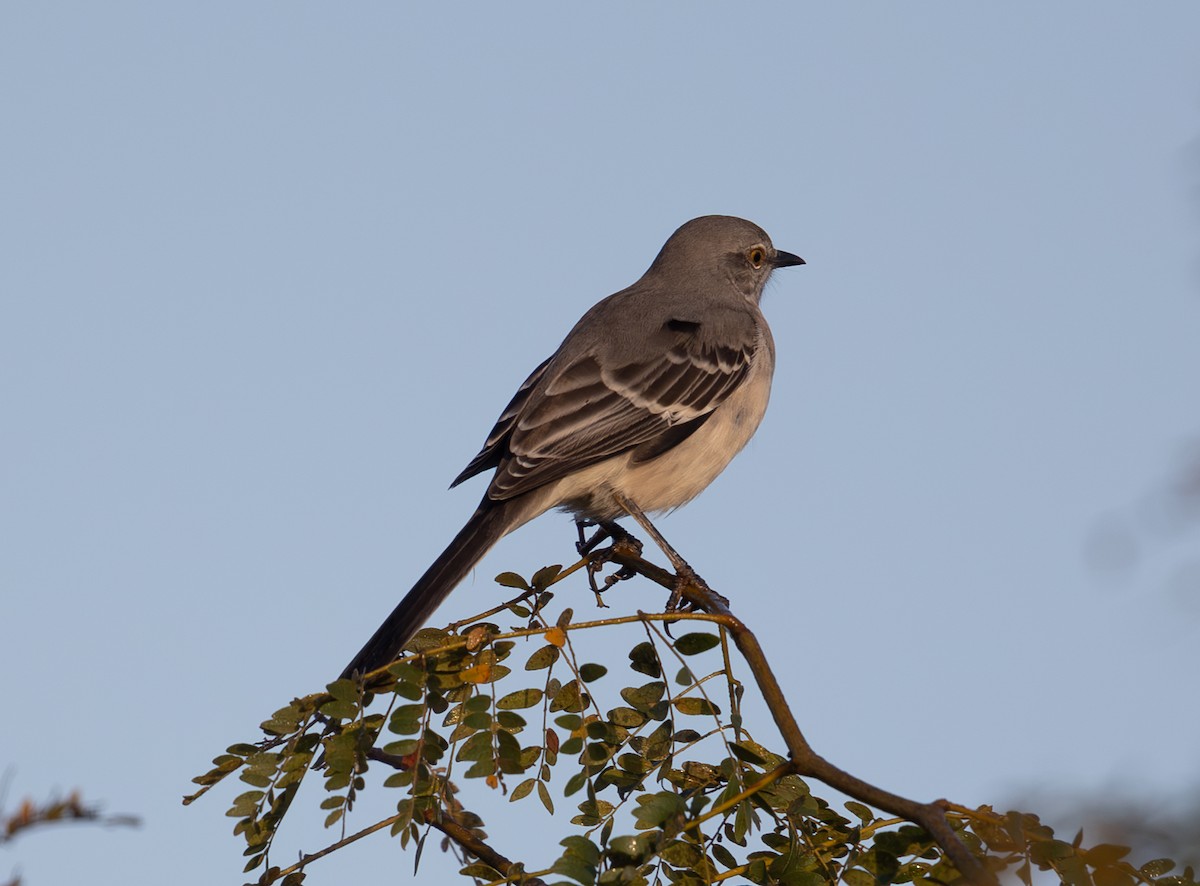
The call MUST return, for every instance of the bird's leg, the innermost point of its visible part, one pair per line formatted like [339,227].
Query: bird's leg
[586,545]
[620,535]
[596,559]
[684,573]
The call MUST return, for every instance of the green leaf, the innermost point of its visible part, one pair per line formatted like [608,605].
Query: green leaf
[581,848]
[245,804]
[858,877]
[481,768]
[1103,854]
[543,658]
[569,698]
[545,576]
[631,850]
[644,697]
[478,720]
[408,673]
[575,783]
[512,580]
[635,764]
[597,753]
[343,689]
[340,710]
[598,730]
[523,698]
[481,871]
[644,660]
[510,721]
[544,796]
[476,704]
[282,722]
[626,717]
[723,856]
[255,779]
[657,745]
[408,691]
[655,809]
[576,869]
[522,790]
[694,706]
[399,779]
[571,746]
[596,808]
[402,748]
[406,719]
[682,854]
[591,672]
[698,775]
[750,752]
[477,747]
[694,644]
[1156,868]
[859,811]
[508,754]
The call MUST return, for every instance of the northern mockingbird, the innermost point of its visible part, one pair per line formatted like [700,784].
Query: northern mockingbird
[646,401]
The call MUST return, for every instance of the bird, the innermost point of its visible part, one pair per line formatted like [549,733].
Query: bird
[648,398]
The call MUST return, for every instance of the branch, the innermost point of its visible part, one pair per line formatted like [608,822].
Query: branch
[806,761]
[467,839]
[481,850]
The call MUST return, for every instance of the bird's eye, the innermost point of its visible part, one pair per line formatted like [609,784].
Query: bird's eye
[756,256]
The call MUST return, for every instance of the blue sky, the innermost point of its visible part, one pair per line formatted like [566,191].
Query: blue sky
[271,271]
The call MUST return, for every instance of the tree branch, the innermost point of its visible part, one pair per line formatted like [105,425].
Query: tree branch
[467,839]
[807,762]
[481,850]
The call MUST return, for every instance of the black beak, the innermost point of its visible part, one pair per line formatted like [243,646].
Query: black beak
[786,259]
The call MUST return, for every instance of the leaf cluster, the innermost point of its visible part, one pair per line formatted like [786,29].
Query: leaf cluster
[667,782]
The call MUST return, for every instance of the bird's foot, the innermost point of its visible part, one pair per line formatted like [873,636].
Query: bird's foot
[599,558]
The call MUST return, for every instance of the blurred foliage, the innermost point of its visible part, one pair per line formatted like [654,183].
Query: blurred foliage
[1159,827]
[31,814]
[665,781]
[1157,530]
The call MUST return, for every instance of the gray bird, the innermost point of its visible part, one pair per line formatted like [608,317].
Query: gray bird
[646,401]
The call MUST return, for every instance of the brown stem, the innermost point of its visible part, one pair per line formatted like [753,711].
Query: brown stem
[481,850]
[930,816]
[464,837]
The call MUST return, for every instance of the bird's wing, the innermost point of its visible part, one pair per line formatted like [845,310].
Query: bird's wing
[494,449]
[583,409]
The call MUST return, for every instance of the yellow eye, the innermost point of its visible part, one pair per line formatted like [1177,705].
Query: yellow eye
[756,256]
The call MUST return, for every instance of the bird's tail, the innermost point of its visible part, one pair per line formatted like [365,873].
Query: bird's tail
[490,522]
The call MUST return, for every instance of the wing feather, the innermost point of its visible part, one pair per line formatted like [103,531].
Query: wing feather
[587,409]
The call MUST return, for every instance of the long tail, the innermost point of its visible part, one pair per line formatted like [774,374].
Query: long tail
[490,522]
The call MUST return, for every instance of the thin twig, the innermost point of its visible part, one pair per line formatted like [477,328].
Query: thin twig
[452,829]
[345,841]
